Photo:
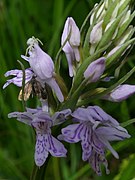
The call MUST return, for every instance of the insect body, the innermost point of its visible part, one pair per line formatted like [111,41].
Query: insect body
[33,87]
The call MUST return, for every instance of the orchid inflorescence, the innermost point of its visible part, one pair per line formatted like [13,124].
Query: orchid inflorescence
[95,55]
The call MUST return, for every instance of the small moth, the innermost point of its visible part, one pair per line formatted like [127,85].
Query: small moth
[27,92]
[33,87]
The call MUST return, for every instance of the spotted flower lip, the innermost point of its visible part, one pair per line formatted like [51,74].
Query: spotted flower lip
[94,128]
[71,46]
[121,93]
[17,80]
[45,142]
[42,65]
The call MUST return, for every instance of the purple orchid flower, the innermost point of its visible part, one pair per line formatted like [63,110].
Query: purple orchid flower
[71,46]
[94,129]
[17,80]
[45,142]
[121,93]
[43,66]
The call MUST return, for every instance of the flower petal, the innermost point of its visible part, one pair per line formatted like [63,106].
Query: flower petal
[86,144]
[76,53]
[53,84]
[96,160]
[75,33]
[55,147]
[41,63]
[19,77]
[73,133]
[97,145]
[102,116]
[25,58]
[41,152]
[70,58]
[60,116]
[112,134]
[82,114]
[24,117]
[95,163]
[12,72]
[87,150]
[108,146]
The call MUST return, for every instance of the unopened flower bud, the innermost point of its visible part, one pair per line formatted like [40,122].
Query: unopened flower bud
[122,2]
[113,51]
[100,12]
[115,12]
[96,33]
[109,24]
[93,14]
[126,36]
[70,46]
[125,18]
[95,70]
[121,93]
[75,33]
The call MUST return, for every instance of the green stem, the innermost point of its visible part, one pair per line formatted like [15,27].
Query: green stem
[72,101]
[34,172]
[131,121]
[39,173]
[85,21]
[23,84]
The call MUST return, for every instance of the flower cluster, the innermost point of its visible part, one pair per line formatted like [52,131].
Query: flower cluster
[94,128]
[90,57]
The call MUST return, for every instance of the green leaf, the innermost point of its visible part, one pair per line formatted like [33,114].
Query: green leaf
[127,123]
[127,169]
[126,35]
[80,173]
[118,53]
[23,84]
[65,169]
[109,12]
[86,46]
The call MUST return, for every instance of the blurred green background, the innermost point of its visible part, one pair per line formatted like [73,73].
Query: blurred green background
[19,20]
